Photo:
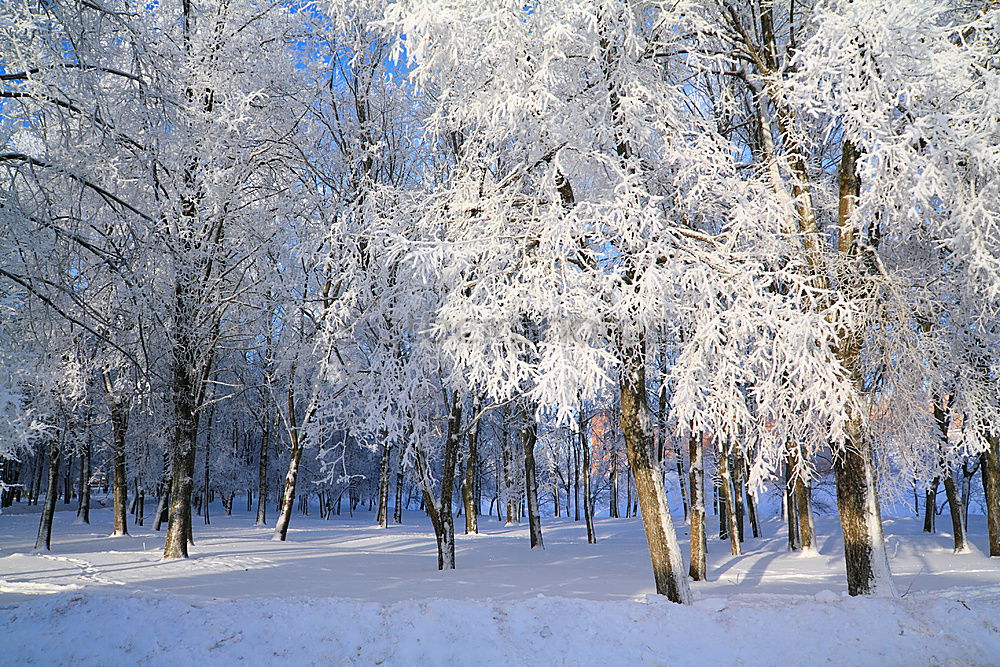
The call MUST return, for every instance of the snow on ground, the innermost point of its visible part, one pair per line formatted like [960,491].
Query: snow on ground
[344,592]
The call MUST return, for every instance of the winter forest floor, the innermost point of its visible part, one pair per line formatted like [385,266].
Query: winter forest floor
[343,592]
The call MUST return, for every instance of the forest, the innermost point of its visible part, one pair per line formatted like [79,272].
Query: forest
[531,260]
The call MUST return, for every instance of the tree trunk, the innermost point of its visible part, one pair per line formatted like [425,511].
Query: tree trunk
[397,514]
[803,507]
[588,499]
[383,485]
[857,497]
[728,516]
[613,478]
[441,512]
[577,453]
[791,512]
[664,550]
[990,467]
[696,483]
[957,519]
[179,525]
[288,496]
[529,436]
[262,476]
[44,539]
[469,482]
[163,492]
[861,520]
[83,513]
[930,505]
[294,435]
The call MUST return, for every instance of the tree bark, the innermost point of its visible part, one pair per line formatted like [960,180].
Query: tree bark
[791,511]
[179,525]
[803,508]
[699,542]
[728,517]
[383,485]
[588,499]
[613,479]
[867,563]
[44,539]
[469,482]
[991,488]
[83,513]
[294,436]
[930,505]
[664,550]
[441,511]
[955,506]
[529,436]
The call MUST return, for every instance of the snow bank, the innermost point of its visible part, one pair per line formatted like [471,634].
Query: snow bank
[101,629]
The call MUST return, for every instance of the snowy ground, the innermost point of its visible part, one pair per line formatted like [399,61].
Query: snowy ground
[343,592]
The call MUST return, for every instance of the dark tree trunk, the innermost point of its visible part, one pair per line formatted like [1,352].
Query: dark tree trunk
[44,539]
[990,466]
[382,515]
[441,512]
[613,479]
[397,514]
[803,507]
[699,541]
[577,452]
[588,498]
[664,550]
[163,495]
[857,496]
[529,436]
[930,505]
[83,512]
[861,520]
[955,507]
[294,435]
[179,525]
[119,427]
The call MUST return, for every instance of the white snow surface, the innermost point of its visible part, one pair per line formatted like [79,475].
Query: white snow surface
[342,592]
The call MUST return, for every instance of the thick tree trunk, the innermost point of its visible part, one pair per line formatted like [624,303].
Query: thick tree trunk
[791,511]
[382,515]
[44,539]
[991,488]
[664,551]
[861,520]
[119,427]
[262,476]
[699,542]
[288,495]
[529,436]
[179,525]
[469,482]
[803,508]
[857,497]
[957,519]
